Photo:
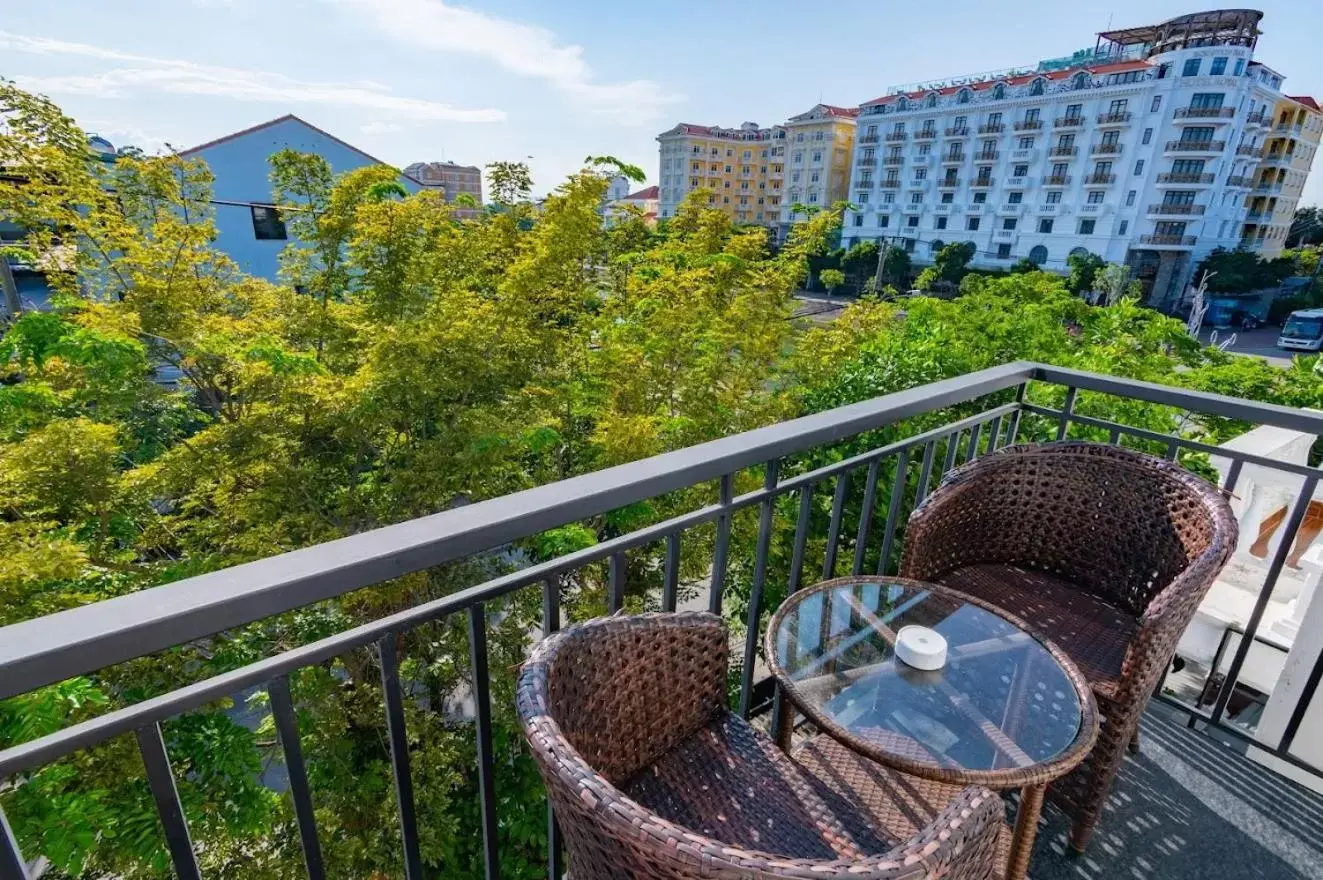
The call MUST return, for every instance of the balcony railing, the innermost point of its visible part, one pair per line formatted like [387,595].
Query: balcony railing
[1287,127]
[1172,209]
[1268,186]
[1163,240]
[1248,150]
[1238,181]
[925,134]
[1256,119]
[1015,181]
[1022,154]
[893,160]
[1205,112]
[1004,235]
[1113,118]
[1011,208]
[1278,159]
[1192,146]
[1092,208]
[992,128]
[958,131]
[986,156]
[1056,180]
[896,136]
[953,158]
[890,183]
[943,208]
[1029,125]
[1063,151]
[864,183]
[1068,121]
[1099,179]
[1105,149]
[975,414]
[868,139]
[948,183]
[1185,177]
[1256,216]
[982,182]
[868,162]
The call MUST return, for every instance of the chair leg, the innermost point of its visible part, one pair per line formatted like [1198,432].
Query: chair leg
[1080,834]
[1134,742]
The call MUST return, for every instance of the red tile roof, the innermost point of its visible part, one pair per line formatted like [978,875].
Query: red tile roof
[1117,67]
[848,112]
[650,192]
[1306,100]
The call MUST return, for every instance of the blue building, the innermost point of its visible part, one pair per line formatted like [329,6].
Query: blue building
[248,228]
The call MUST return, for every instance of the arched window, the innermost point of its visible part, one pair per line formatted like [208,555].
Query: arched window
[1082,80]
[1036,87]
[1079,252]
[937,245]
[931,100]
[963,97]
[999,91]
[1038,255]
[903,103]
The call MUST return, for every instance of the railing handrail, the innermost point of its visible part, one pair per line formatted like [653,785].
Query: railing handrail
[45,650]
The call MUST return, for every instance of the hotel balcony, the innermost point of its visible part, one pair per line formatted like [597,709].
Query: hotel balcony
[917,183]
[1094,208]
[867,162]
[1013,182]
[953,158]
[948,183]
[1168,241]
[1185,179]
[1053,208]
[864,183]
[1029,125]
[1013,208]
[1287,128]
[1268,186]
[893,160]
[925,134]
[1237,181]
[1023,155]
[890,183]
[895,136]
[1056,180]
[1063,152]
[1099,179]
[1205,113]
[1105,149]
[1192,146]
[1278,160]
[1068,121]
[961,131]
[1004,234]
[1248,150]
[982,182]
[1258,216]
[868,139]
[1257,119]
[944,208]
[1113,118]
[993,128]
[911,208]
[1203,793]
[1175,210]
[987,156]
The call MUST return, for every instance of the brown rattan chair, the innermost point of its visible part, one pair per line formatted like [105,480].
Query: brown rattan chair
[650,776]
[1105,551]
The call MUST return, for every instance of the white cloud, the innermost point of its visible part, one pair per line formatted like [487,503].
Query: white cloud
[142,73]
[523,49]
[379,127]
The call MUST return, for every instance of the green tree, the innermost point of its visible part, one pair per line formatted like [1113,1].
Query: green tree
[1084,270]
[896,266]
[831,278]
[1306,227]
[1242,271]
[509,182]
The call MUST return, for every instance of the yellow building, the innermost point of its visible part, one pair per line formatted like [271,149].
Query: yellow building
[740,169]
[1278,180]
[819,144]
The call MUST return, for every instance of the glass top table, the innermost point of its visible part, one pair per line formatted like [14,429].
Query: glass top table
[1006,710]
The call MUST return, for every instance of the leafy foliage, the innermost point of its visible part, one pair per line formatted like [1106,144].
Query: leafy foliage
[1242,271]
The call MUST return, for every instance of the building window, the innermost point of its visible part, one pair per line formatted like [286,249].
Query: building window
[1054,197]
[1008,223]
[1157,102]
[1219,67]
[939,223]
[972,224]
[1045,225]
[1020,171]
[1130,198]
[798,156]
[916,198]
[925,149]
[994,119]
[948,198]
[1207,100]
[999,91]
[884,221]
[858,219]
[1003,251]
[863,198]
[817,155]
[1240,66]
[912,222]
[799,138]
[920,173]
[961,122]
[1081,82]
[1139,168]
[1148,135]
[1015,198]
[813,177]
[1191,67]
[980,198]
[813,198]
[1032,114]
[1121,230]
[1026,143]
[1038,255]
[888,198]
[1086,226]
[267,225]
[1095,196]
[931,100]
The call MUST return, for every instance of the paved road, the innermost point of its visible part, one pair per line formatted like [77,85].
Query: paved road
[819,306]
[1254,343]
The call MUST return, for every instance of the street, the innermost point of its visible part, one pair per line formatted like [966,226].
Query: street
[1253,343]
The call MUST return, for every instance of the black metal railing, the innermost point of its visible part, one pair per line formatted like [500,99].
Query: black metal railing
[975,414]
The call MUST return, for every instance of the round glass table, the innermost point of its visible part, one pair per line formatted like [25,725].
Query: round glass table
[1006,710]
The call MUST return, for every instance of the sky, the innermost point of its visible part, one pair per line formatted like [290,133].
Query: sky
[547,82]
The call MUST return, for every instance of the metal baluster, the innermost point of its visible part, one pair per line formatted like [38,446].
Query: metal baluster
[952,447]
[723,545]
[801,536]
[1114,438]
[994,434]
[151,744]
[388,651]
[897,498]
[482,704]
[1063,421]
[834,527]
[865,518]
[1289,530]
[671,574]
[1172,448]
[770,477]
[12,866]
[972,452]
[1013,429]
[615,588]
[925,471]
[1233,477]
[551,624]
[287,728]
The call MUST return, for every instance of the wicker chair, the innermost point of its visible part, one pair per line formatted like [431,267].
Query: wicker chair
[650,776]
[1105,551]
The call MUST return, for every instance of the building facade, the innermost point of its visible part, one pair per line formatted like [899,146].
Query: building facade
[1144,150]
[451,179]
[740,170]
[1288,152]
[248,226]
[819,147]
[645,200]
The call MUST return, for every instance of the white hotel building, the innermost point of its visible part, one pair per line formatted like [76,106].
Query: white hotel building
[1143,150]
